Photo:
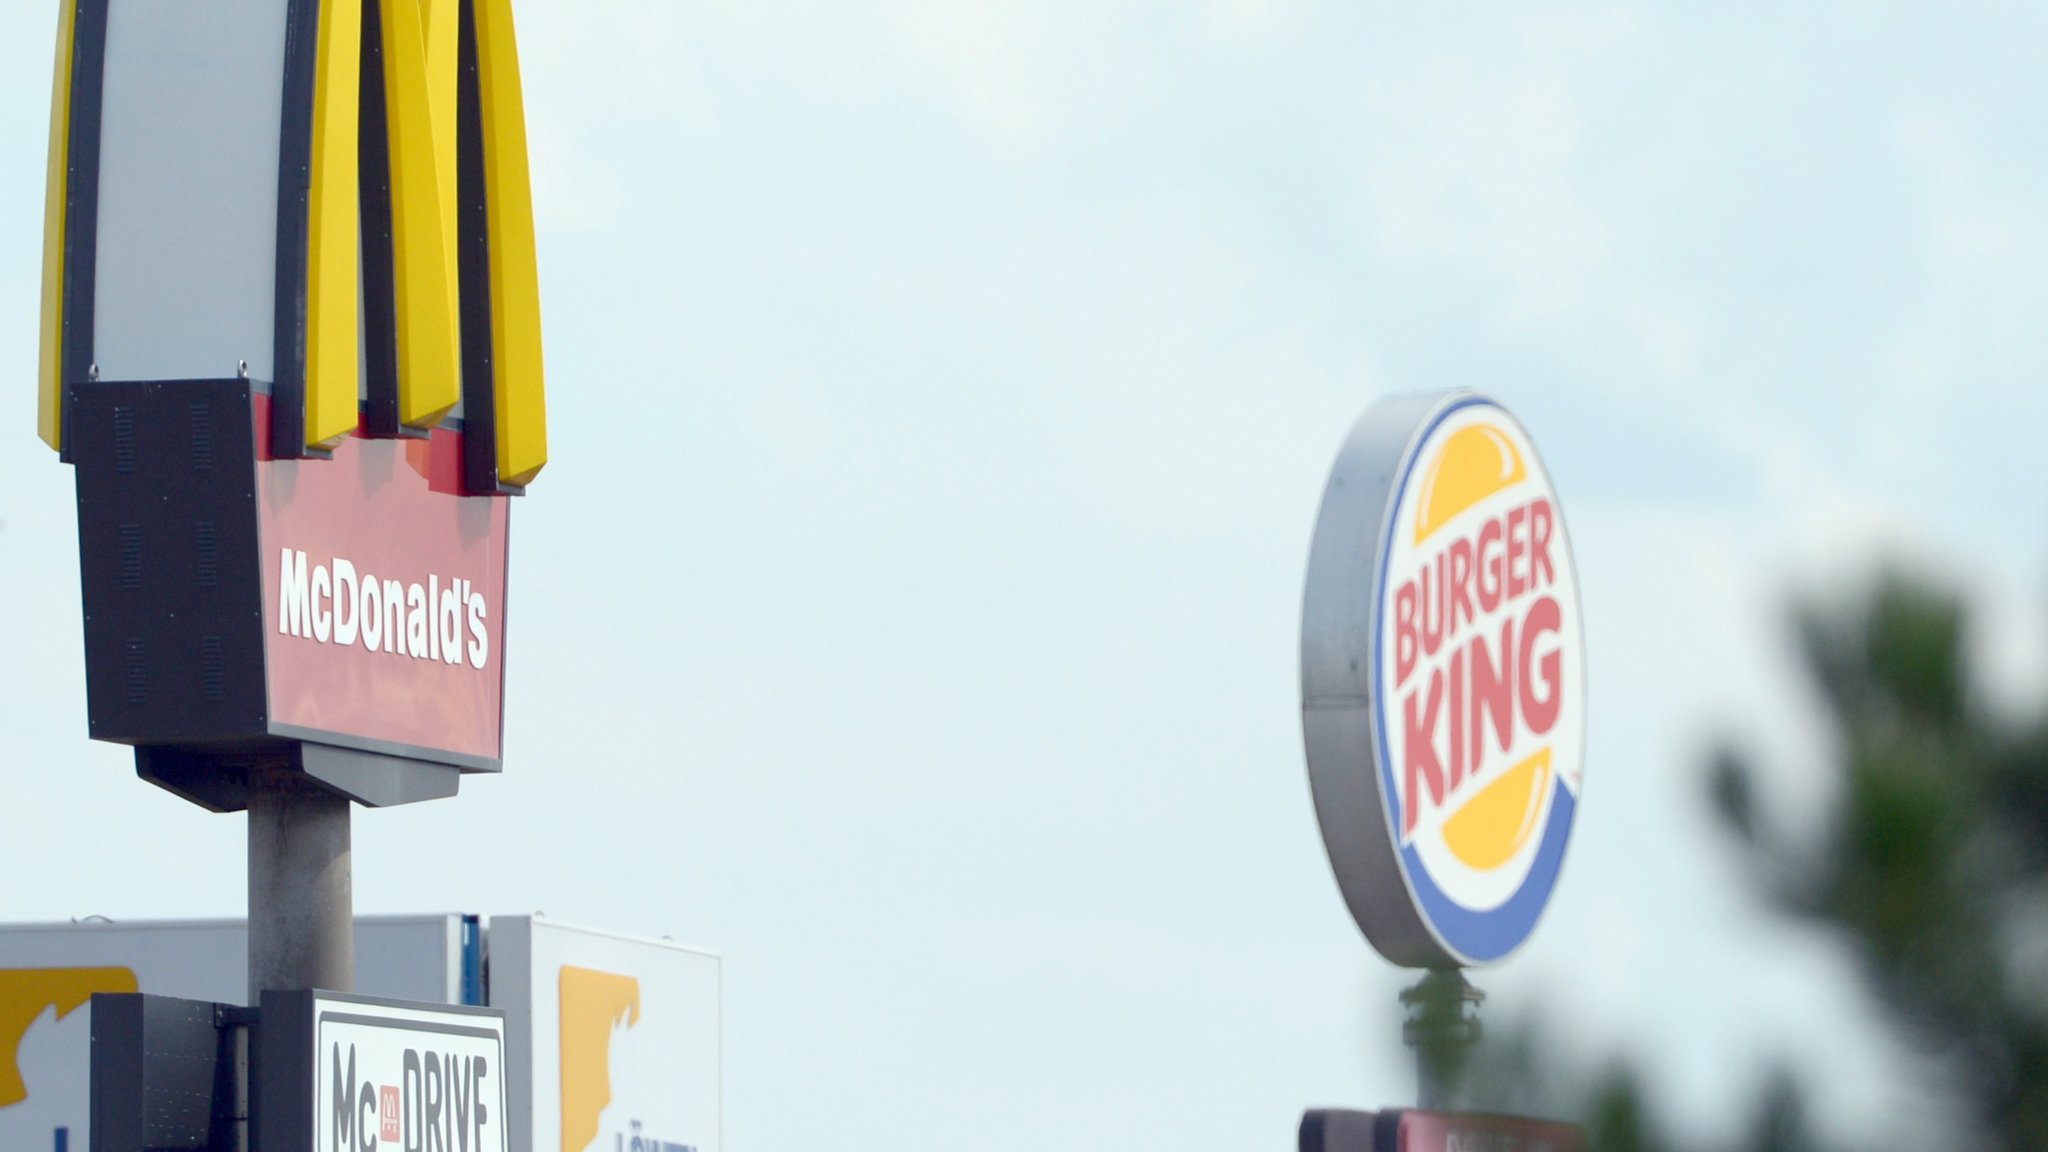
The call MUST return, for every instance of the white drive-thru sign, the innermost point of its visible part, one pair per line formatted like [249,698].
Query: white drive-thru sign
[393,1078]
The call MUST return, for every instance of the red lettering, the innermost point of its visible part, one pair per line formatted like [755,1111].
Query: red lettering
[1492,573]
[1493,694]
[1518,551]
[1457,766]
[1461,587]
[1541,520]
[1544,619]
[1433,624]
[1420,765]
[1404,632]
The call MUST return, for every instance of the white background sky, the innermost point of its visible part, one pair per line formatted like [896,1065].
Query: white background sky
[941,396]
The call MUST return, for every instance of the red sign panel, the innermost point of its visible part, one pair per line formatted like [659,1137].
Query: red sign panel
[384,599]
[1417,1131]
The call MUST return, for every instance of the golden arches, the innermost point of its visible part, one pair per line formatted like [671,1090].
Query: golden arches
[421,44]
[443,186]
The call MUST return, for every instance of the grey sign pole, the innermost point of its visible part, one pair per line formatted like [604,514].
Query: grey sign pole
[301,894]
[1443,1028]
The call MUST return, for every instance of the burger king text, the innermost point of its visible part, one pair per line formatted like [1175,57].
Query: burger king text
[1456,674]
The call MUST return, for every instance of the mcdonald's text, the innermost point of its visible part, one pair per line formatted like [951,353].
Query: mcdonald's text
[334,603]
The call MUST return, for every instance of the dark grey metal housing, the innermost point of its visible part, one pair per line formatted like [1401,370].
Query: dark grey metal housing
[164,1073]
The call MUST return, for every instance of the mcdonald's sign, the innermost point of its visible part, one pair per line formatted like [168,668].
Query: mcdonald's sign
[291,345]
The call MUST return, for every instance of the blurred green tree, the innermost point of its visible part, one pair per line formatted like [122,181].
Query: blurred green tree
[1515,1071]
[1929,864]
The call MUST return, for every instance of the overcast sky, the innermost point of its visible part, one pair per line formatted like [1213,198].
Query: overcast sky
[941,397]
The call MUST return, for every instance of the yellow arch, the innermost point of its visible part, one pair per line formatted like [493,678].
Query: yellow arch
[521,394]
[333,255]
[49,376]
[419,108]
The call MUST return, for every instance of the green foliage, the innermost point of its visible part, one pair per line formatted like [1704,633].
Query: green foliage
[1932,862]
[1930,866]
[1618,1121]
[1511,1074]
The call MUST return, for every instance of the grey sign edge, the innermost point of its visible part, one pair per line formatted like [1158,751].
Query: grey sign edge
[1340,606]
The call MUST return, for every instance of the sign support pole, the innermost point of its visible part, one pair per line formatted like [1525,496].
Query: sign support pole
[1442,1027]
[301,891]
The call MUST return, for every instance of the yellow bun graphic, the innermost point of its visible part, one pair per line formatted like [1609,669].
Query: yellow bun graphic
[1492,826]
[1476,462]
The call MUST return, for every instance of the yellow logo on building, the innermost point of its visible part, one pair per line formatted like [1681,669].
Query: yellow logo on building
[27,993]
[594,1004]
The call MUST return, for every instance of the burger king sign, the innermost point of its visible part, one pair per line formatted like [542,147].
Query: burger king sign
[1443,679]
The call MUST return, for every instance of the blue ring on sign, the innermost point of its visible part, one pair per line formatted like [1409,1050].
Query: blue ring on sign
[1473,935]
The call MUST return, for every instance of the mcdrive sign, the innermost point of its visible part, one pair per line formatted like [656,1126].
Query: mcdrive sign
[1443,679]
[355,1074]
[291,344]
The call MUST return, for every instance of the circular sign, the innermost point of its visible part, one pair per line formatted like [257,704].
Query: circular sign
[1443,679]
